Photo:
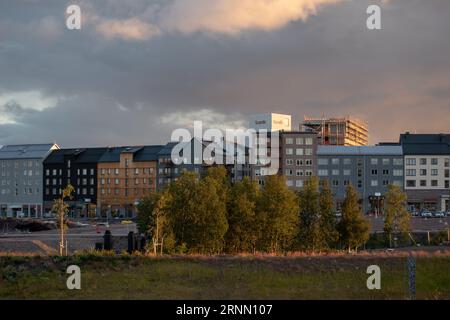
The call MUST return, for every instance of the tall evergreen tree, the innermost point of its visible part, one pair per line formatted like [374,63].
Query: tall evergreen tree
[278,211]
[353,227]
[397,218]
[244,225]
[327,219]
[310,235]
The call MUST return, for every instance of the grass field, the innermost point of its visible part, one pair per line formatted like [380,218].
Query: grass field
[251,277]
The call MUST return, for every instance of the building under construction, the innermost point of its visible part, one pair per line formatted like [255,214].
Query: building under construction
[338,131]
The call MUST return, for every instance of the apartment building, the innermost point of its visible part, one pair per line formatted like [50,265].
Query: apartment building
[346,131]
[21,176]
[77,167]
[298,157]
[427,170]
[125,175]
[370,169]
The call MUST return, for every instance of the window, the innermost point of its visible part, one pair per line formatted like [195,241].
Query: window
[323,172]
[423,183]
[385,172]
[359,173]
[423,172]
[84,173]
[374,172]
[299,141]
[386,162]
[92,181]
[47,172]
[347,161]
[398,183]
[359,184]
[55,172]
[308,173]
[308,152]
[299,162]
[360,162]
[136,181]
[92,172]
[374,161]
[289,183]
[374,183]
[434,183]
[288,172]
[289,151]
[398,173]
[299,183]
[347,172]
[335,183]
[447,184]
[335,172]
[335,161]
[323,161]
[346,182]
[447,173]
[84,181]
[289,141]
[308,141]
[385,182]
[289,162]
[411,183]
[397,162]
[410,172]
[434,172]
[116,181]
[299,173]
[299,151]
[410,161]
[116,171]
[136,171]
[434,161]
[447,162]
[423,161]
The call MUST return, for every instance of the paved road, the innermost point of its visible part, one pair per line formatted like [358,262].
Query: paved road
[78,238]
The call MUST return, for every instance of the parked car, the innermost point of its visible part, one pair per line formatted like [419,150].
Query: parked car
[414,213]
[439,214]
[448,213]
[426,214]
[338,214]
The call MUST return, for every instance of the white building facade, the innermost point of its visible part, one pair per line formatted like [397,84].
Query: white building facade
[21,179]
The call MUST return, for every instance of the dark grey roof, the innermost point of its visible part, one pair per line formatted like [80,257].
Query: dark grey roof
[26,151]
[167,149]
[425,144]
[140,153]
[79,155]
[148,153]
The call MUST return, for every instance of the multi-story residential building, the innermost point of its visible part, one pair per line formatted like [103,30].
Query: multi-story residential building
[21,179]
[169,171]
[125,175]
[370,169]
[77,167]
[298,157]
[271,122]
[338,131]
[427,170]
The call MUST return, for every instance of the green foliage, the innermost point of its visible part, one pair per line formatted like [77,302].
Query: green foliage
[278,210]
[197,212]
[327,220]
[353,227]
[397,218]
[244,227]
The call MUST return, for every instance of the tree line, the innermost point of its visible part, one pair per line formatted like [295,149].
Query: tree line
[209,215]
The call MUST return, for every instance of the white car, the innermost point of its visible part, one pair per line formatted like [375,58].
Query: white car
[439,214]
[426,214]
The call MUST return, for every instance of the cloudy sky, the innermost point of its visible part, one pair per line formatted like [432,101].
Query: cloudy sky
[138,69]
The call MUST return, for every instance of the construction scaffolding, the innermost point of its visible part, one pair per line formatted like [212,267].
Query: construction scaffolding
[345,131]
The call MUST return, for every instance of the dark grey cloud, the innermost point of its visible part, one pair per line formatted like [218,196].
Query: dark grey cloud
[118,91]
